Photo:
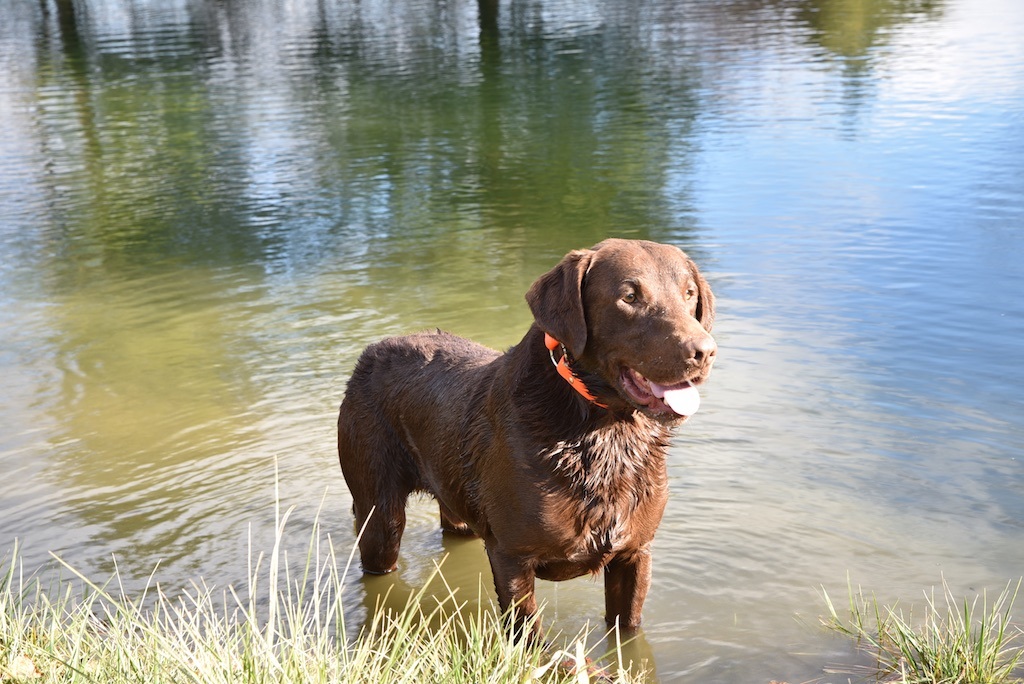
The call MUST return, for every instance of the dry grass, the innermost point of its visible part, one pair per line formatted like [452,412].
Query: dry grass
[94,634]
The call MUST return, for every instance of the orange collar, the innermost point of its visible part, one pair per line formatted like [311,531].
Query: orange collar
[562,366]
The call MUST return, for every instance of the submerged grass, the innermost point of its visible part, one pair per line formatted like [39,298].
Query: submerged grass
[953,642]
[98,634]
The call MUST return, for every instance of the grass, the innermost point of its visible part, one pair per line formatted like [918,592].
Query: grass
[285,628]
[953,642]
[291,627]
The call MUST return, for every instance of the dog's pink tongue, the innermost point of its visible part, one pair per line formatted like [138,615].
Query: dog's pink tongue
[684,399]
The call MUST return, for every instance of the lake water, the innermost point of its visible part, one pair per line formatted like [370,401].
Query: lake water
[208,208]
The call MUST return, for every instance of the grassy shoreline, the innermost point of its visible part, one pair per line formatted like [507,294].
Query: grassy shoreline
[287,626]
[283,627]
[950,642]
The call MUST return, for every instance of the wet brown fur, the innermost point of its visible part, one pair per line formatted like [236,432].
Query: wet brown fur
[555,486]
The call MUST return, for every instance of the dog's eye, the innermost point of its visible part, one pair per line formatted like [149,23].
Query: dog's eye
[690,293]
[629,297]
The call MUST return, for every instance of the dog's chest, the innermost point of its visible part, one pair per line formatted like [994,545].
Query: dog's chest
[611,489]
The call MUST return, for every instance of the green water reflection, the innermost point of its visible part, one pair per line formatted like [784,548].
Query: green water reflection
[525,129]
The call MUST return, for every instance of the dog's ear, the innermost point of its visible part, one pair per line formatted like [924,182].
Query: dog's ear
[556,300]
[705,299]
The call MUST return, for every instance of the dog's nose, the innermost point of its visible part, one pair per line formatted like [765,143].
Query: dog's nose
[704,349]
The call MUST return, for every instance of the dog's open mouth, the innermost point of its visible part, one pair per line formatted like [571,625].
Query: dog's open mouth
[681,398]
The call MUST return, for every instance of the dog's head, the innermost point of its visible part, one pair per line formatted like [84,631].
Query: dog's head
[636,318]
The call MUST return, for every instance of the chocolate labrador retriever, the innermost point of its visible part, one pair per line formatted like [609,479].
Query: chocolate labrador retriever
[553,452]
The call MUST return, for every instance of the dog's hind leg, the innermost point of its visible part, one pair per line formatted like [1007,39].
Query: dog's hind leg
[378,471]
[452,524]
[380,524]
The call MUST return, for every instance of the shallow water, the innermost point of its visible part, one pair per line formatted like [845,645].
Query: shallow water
[208,209]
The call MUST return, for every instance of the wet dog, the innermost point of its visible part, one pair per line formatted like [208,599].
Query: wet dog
[552,452]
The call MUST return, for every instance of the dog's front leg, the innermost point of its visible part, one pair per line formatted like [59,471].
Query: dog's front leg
[514,582]
[626,581]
